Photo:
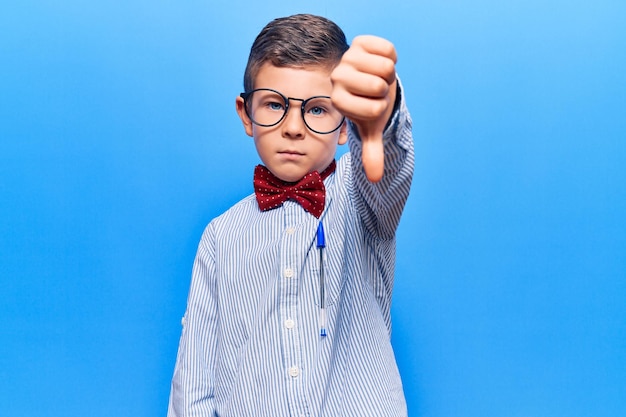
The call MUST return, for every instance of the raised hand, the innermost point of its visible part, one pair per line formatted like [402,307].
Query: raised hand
[364,90]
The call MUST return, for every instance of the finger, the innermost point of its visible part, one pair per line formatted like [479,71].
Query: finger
[359,59]
[376,45]
[360,83]
[373,158]
[377,65]
[358,108]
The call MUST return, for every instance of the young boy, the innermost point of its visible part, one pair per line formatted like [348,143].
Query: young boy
[289,307]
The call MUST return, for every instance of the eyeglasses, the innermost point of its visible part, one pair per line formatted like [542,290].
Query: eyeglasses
[267,107]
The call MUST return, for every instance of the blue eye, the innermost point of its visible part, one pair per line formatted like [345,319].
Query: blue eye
[275,106]
[317,111]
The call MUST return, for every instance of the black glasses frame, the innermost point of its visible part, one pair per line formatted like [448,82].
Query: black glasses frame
[245,96]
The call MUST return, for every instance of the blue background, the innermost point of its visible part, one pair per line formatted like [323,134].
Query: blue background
[115,118]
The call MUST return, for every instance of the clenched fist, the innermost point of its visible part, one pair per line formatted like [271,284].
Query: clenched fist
[364,90]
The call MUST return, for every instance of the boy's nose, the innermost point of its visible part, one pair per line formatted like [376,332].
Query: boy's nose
[293,125]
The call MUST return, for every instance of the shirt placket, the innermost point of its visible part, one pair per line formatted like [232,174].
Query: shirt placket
[291,283]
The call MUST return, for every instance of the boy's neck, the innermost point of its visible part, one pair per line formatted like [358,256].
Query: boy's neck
[324,174]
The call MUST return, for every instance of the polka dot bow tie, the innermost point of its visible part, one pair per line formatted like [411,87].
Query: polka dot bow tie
[309,192]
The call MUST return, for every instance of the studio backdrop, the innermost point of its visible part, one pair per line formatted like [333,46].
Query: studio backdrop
[118,124]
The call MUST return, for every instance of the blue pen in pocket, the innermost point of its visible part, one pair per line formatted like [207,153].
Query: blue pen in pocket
[321,244]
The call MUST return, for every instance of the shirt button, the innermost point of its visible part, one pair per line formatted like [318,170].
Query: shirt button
[290,230]
[289,323]
[288,272]
[294,372]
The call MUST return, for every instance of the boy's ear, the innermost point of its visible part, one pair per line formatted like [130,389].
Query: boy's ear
[241,111]
[343,133]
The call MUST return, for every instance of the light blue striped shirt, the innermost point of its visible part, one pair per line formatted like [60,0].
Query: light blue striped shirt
[251,343]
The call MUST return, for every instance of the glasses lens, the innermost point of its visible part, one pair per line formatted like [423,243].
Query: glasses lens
[266,107]
[321,116]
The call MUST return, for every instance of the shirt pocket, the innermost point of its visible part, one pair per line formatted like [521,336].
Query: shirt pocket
[323,277]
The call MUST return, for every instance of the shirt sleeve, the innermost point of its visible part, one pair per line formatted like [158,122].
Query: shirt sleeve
[380,204]
[193,383]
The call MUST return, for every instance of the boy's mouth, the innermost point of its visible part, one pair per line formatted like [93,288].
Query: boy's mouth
[290,152]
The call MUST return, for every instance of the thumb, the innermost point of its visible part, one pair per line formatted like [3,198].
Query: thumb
[373,154]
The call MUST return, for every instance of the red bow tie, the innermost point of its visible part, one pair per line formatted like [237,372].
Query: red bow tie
[309,192]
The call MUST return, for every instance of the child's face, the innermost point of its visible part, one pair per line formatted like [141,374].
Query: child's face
[289,149]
